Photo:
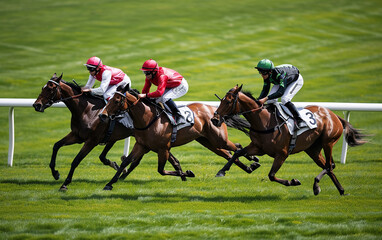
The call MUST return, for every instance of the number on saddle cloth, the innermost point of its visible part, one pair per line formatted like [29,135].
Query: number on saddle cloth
[187,120]
[305,114]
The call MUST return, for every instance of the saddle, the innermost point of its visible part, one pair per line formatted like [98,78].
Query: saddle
[284,113]
[187,119]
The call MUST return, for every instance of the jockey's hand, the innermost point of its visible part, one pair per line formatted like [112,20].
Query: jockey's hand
[142,95]
[263,100]
[86,90]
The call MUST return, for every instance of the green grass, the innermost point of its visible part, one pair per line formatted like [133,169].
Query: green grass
[215,45]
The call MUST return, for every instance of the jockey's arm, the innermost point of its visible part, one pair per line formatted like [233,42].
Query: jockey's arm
[106,78]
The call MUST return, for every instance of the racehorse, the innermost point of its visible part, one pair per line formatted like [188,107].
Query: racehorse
[269,137]
[86,126]
[153,131]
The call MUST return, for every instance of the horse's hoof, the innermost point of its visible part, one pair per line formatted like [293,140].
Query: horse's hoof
[63,188]
[254,166]
[190,173]
[252,158]
[295,182]
[114,165]
[108,188]
[220,174]
[56,175]
[316,190]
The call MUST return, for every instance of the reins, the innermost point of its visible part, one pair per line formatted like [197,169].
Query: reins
[270,130]
[59,90]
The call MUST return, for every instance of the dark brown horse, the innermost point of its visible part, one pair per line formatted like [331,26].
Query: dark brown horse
[153,132]
[86,126]
[266,139]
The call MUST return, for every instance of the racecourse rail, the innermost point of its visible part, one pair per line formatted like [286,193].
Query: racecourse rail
[335,106]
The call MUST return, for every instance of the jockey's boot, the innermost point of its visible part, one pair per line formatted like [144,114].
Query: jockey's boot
[296,115]
[175,111]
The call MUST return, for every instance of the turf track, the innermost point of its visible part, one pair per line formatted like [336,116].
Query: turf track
[214,44]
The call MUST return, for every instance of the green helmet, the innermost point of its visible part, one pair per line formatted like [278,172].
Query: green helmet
[265,64]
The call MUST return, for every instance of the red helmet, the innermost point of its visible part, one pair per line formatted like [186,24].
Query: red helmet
[94,62]
[150,65]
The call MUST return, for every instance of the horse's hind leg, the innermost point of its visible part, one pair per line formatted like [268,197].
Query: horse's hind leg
[69,139]
[314,152]
[329,166]
[106,161]
[176,164]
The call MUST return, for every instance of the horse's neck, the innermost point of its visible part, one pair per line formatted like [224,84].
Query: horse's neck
[78,105]
[259,118]
[142,114]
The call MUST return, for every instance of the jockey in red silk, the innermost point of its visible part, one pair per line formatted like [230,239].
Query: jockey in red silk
[110,78]
[170,85]
[286,80]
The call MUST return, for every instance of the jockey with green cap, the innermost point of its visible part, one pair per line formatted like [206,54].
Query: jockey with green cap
[286,80]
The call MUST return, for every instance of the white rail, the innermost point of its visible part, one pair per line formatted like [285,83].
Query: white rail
[346,107]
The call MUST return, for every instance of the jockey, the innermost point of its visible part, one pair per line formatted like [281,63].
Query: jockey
[110,78]
[287,82]
[170,85]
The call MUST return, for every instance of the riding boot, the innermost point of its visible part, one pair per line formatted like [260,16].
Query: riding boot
[296,115]
[174,109]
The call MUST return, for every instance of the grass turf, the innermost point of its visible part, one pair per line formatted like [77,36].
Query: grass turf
[215,45]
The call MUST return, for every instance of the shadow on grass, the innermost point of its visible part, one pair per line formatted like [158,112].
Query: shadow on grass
[174,198]
[74,181]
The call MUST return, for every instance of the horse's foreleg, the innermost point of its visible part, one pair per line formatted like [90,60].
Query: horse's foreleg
[67,140]
[134,164]
[228,165]
[134,158]
[277,163]
[88,146]
[127,160]
[106,161]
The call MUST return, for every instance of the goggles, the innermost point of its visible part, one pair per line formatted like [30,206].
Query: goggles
[147,72]
[263,72]
[91,69]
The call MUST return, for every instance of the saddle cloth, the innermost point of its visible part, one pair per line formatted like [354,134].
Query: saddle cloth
[187,120]
[305,114]
[125,119]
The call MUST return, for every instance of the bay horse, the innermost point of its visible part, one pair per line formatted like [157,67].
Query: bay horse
[86,126]
[153,132]
[274,141]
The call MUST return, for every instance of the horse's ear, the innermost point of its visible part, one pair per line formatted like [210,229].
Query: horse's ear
[60,77]
[54,75]
[126,88]
[238,89]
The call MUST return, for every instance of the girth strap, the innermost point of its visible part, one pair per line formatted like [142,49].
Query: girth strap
[109,132]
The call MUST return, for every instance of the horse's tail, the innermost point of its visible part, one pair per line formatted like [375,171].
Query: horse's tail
[354,137]
[238,123]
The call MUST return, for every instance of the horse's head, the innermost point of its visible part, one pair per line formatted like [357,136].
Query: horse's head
[121,101]
[228,106]
[50,93]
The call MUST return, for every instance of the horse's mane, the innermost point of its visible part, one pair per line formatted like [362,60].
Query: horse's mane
[74,86]
[249,94]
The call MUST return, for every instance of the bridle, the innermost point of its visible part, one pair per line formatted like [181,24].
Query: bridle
[58,90]
[234,106]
